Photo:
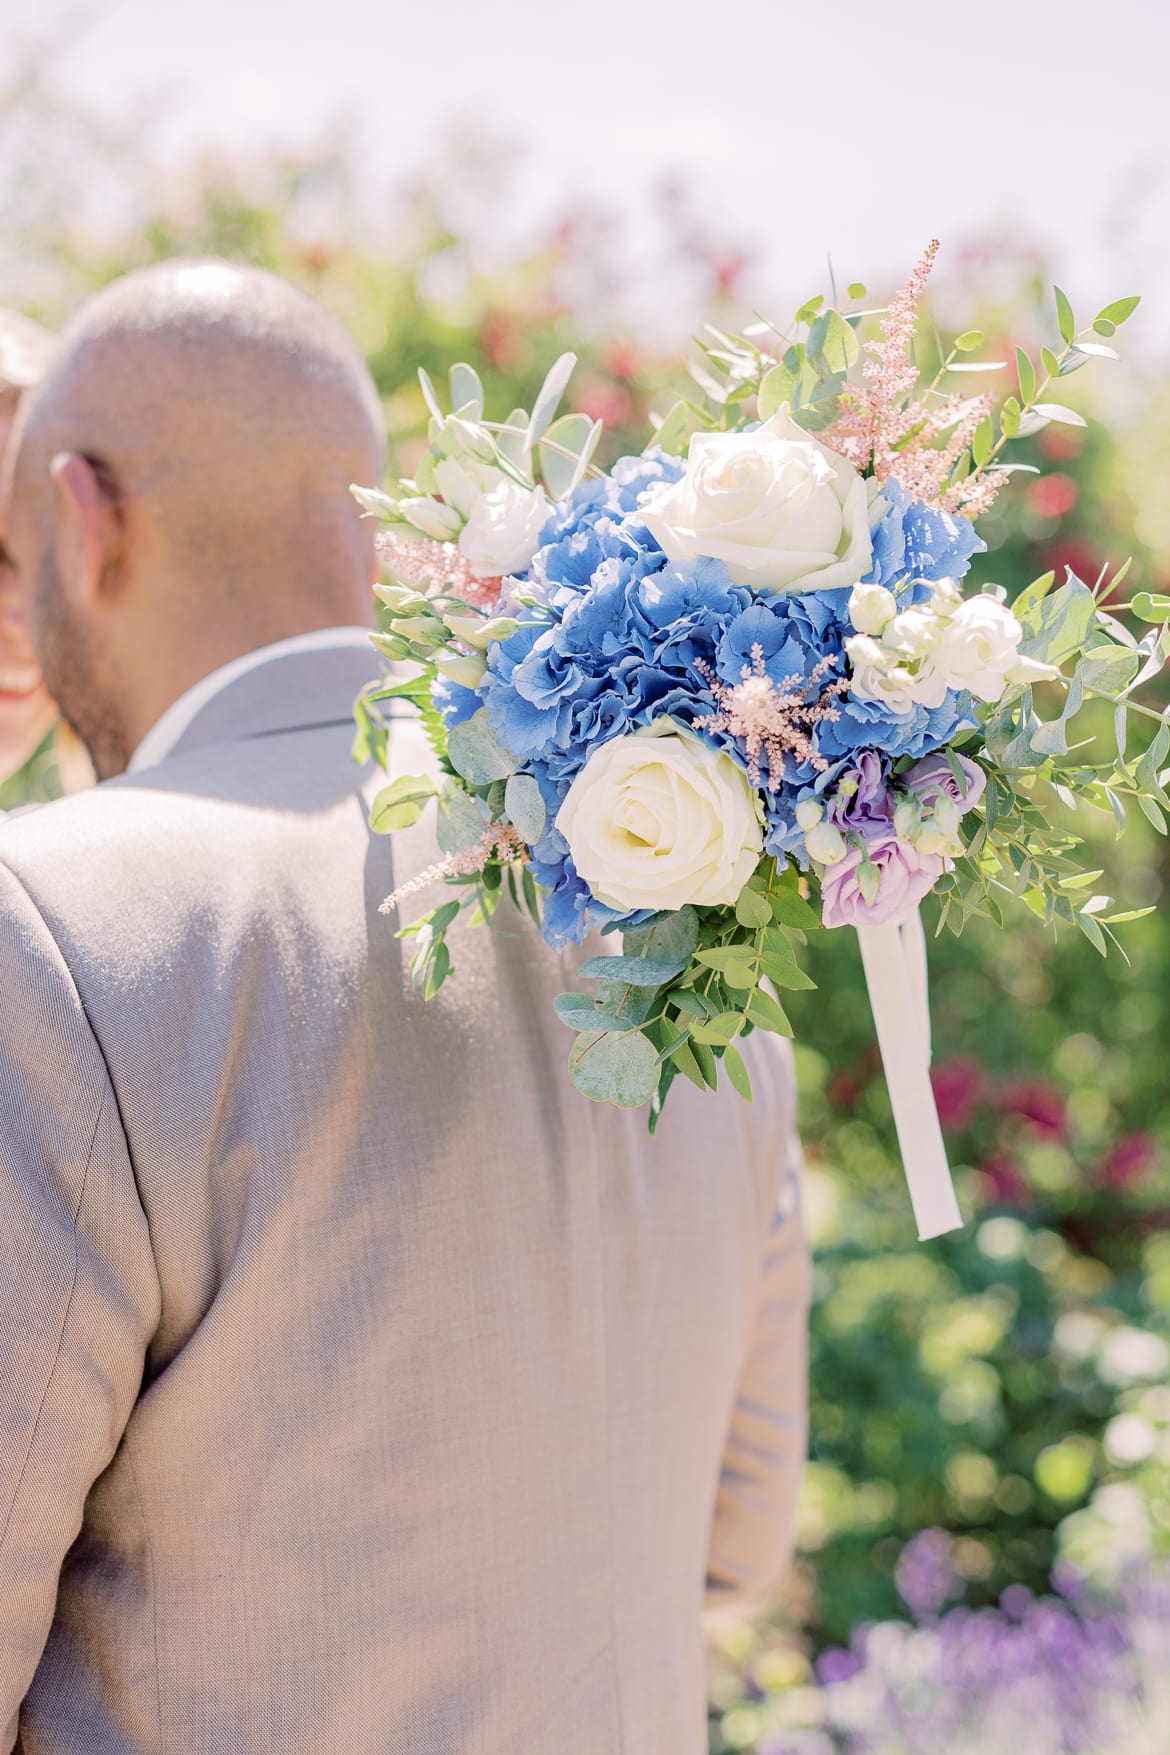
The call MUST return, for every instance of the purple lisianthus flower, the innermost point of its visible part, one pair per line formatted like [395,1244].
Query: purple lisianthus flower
[905,876]
[860,797]
[932,779]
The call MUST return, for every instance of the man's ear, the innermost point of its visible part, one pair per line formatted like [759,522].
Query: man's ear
[89,528]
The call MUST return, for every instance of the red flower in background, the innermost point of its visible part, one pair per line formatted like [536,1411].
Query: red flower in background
[1040,1106]
[608,402]
[959,1088]
[1004,1180]
[1129,1160]
[500,340]
[623,359]
[1052,496]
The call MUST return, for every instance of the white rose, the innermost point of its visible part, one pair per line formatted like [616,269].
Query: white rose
[657,819]
[979,650]
[780,510]
[503,529]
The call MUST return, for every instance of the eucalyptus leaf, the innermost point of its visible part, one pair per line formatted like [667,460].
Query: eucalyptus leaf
[833,341]
[460,821]
[1065,321]
[612,1066]
[1118,311]
[675,429]
[525,806]
[777,387]
[1058,624]
[718,1032]
[580,1011]
[466,392]
[668,938]
[476,753]
[572,432]
[737,1072]
[551,391]
[634,971]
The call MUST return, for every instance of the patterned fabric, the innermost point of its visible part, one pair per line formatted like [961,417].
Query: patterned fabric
[310,1441]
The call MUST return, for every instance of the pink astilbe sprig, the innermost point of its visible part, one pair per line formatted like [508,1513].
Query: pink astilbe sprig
[429,566]
[499,841]
[873,420]
[773,719]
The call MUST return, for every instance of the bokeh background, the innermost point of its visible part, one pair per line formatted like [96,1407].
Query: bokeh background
[988,1495]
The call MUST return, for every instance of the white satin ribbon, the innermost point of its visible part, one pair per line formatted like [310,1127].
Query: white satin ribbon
[894,958]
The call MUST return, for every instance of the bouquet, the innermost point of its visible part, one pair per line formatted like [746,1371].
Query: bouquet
[737,688]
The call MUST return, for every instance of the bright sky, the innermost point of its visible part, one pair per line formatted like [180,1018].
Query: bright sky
[860,126]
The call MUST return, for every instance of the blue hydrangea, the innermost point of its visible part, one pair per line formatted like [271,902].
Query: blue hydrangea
[914,541]
[622,636]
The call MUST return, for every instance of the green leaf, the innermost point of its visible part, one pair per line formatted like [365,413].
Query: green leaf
[524,803]
[753,909]
[439,970]
[737,1072]
[784,973]
[1104,327]
[791,909]
[1009,417]
[634,971]
[695,1006]
[582,1012]
[401,803]
[855,289]
[1026,373]
[766,1014]
[674,432]
[551,391]
[706,1062]
[1065,321]
[686,1063]
[615,1066]
[1058,412]
[466,392]
[1151,606]
[1092,931]
[1095,350]
[719,1031]
[1118,311]
[833,342]
[668,938]
[1050,362]
[577,434]
[984,439]
[1032,594]
[476,753]
[1150,810]
[970,340]
[1058,624]
[459,823]
[777,387]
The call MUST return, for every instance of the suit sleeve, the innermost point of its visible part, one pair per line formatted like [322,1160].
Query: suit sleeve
[753,1531]
[79,1294]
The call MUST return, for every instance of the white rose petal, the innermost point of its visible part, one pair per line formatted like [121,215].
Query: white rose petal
[503,529]
[779,509]
[657,819]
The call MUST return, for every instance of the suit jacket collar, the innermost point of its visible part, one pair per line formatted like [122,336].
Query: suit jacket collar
[294,691]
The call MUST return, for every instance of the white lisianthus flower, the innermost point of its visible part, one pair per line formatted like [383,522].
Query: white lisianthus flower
[461,481]
[979,650]
[503,529]
[948,642]
[779,509]
[872,608]
[657,819]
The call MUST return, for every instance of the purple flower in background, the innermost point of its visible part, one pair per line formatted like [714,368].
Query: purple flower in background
[926,1576]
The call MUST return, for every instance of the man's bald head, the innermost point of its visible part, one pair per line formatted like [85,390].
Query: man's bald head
[193,443]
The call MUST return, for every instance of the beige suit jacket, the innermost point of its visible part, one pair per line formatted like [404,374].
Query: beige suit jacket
[362,1388]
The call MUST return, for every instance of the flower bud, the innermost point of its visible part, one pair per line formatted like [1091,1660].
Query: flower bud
[871,608]
[465,668]
[825,843]
[809,813]
[435,520]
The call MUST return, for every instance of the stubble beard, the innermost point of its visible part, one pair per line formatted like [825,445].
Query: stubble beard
[76,678]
